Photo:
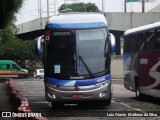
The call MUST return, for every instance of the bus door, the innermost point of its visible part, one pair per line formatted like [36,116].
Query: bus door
[130,62]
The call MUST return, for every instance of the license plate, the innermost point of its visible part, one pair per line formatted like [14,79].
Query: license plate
[77,96]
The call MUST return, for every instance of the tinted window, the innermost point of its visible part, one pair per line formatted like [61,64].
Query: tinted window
[150,40]
[133,42]
[61,54]
[91,49]
[126,44]
[157,40]
[130,43]
[4,66]
[15,67]
[141,41]
[41,71]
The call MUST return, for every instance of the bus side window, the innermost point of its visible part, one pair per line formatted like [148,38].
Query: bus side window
[126,44]
[133,42]
[141,41]
[150,40]
[157,46]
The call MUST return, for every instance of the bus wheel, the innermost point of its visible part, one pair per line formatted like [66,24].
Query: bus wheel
[137,91]
[106,102]
[38,77]
[138,94]
[137,88]
[21,76]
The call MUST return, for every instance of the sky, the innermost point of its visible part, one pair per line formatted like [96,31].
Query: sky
[30,10]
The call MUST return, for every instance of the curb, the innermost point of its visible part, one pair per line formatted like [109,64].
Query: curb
[20,103]
[117,79]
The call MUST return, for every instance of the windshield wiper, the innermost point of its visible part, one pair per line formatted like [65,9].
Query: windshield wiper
[85,65]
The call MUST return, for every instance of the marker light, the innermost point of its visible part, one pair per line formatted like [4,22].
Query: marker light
[47,35]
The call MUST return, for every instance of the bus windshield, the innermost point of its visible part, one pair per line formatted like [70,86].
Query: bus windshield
[91,48]
[66,47]
[60,61]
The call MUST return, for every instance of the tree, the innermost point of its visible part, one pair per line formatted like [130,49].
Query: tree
[78,7]
[18,50]
[12,48]
[6,34]
[7,10]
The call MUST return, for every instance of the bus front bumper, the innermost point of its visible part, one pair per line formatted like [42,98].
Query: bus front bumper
[100,91]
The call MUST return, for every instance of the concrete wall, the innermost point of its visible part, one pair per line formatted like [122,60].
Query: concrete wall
[117,68]
[116,21]
[33,25]
[124,21]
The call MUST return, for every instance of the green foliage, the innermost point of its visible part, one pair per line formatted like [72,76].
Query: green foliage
[6,34]
[7,10]
[78,7]
[12,48]
[17,50]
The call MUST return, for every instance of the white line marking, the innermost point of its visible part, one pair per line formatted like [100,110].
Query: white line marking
[136,109]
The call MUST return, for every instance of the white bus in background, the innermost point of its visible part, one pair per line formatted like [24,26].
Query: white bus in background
[142,60]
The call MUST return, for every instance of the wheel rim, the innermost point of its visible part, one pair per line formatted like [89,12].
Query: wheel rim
[137,92]
[38,77]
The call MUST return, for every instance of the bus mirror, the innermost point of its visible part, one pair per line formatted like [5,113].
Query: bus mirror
[112,42]
[39,40]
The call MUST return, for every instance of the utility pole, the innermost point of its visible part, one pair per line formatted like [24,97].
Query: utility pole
[39,9]
[40,12]
[102,5]
[55,7]
[47,8]
[143,6]
[125,6]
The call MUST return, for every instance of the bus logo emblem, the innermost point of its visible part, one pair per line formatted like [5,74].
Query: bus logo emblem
[77,88]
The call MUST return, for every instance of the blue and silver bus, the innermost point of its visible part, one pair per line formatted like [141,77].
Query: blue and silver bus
[77,56]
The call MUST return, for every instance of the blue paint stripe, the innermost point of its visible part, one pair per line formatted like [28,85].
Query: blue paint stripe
[76,25]
[84,82]
[39,52]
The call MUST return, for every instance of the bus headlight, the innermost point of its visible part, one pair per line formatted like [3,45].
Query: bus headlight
[51,96]
[103,83]
[102,94]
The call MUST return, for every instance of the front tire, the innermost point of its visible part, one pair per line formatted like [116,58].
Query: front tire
[106,102]
[138,94]
[38,77]
[21,76]
[137,91]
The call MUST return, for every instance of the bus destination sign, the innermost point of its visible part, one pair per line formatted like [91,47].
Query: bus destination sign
[61,33]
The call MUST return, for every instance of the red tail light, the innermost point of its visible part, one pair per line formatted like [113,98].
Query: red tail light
[47,35]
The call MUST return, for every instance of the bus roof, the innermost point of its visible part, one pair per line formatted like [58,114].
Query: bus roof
[145,27]
[77,21]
